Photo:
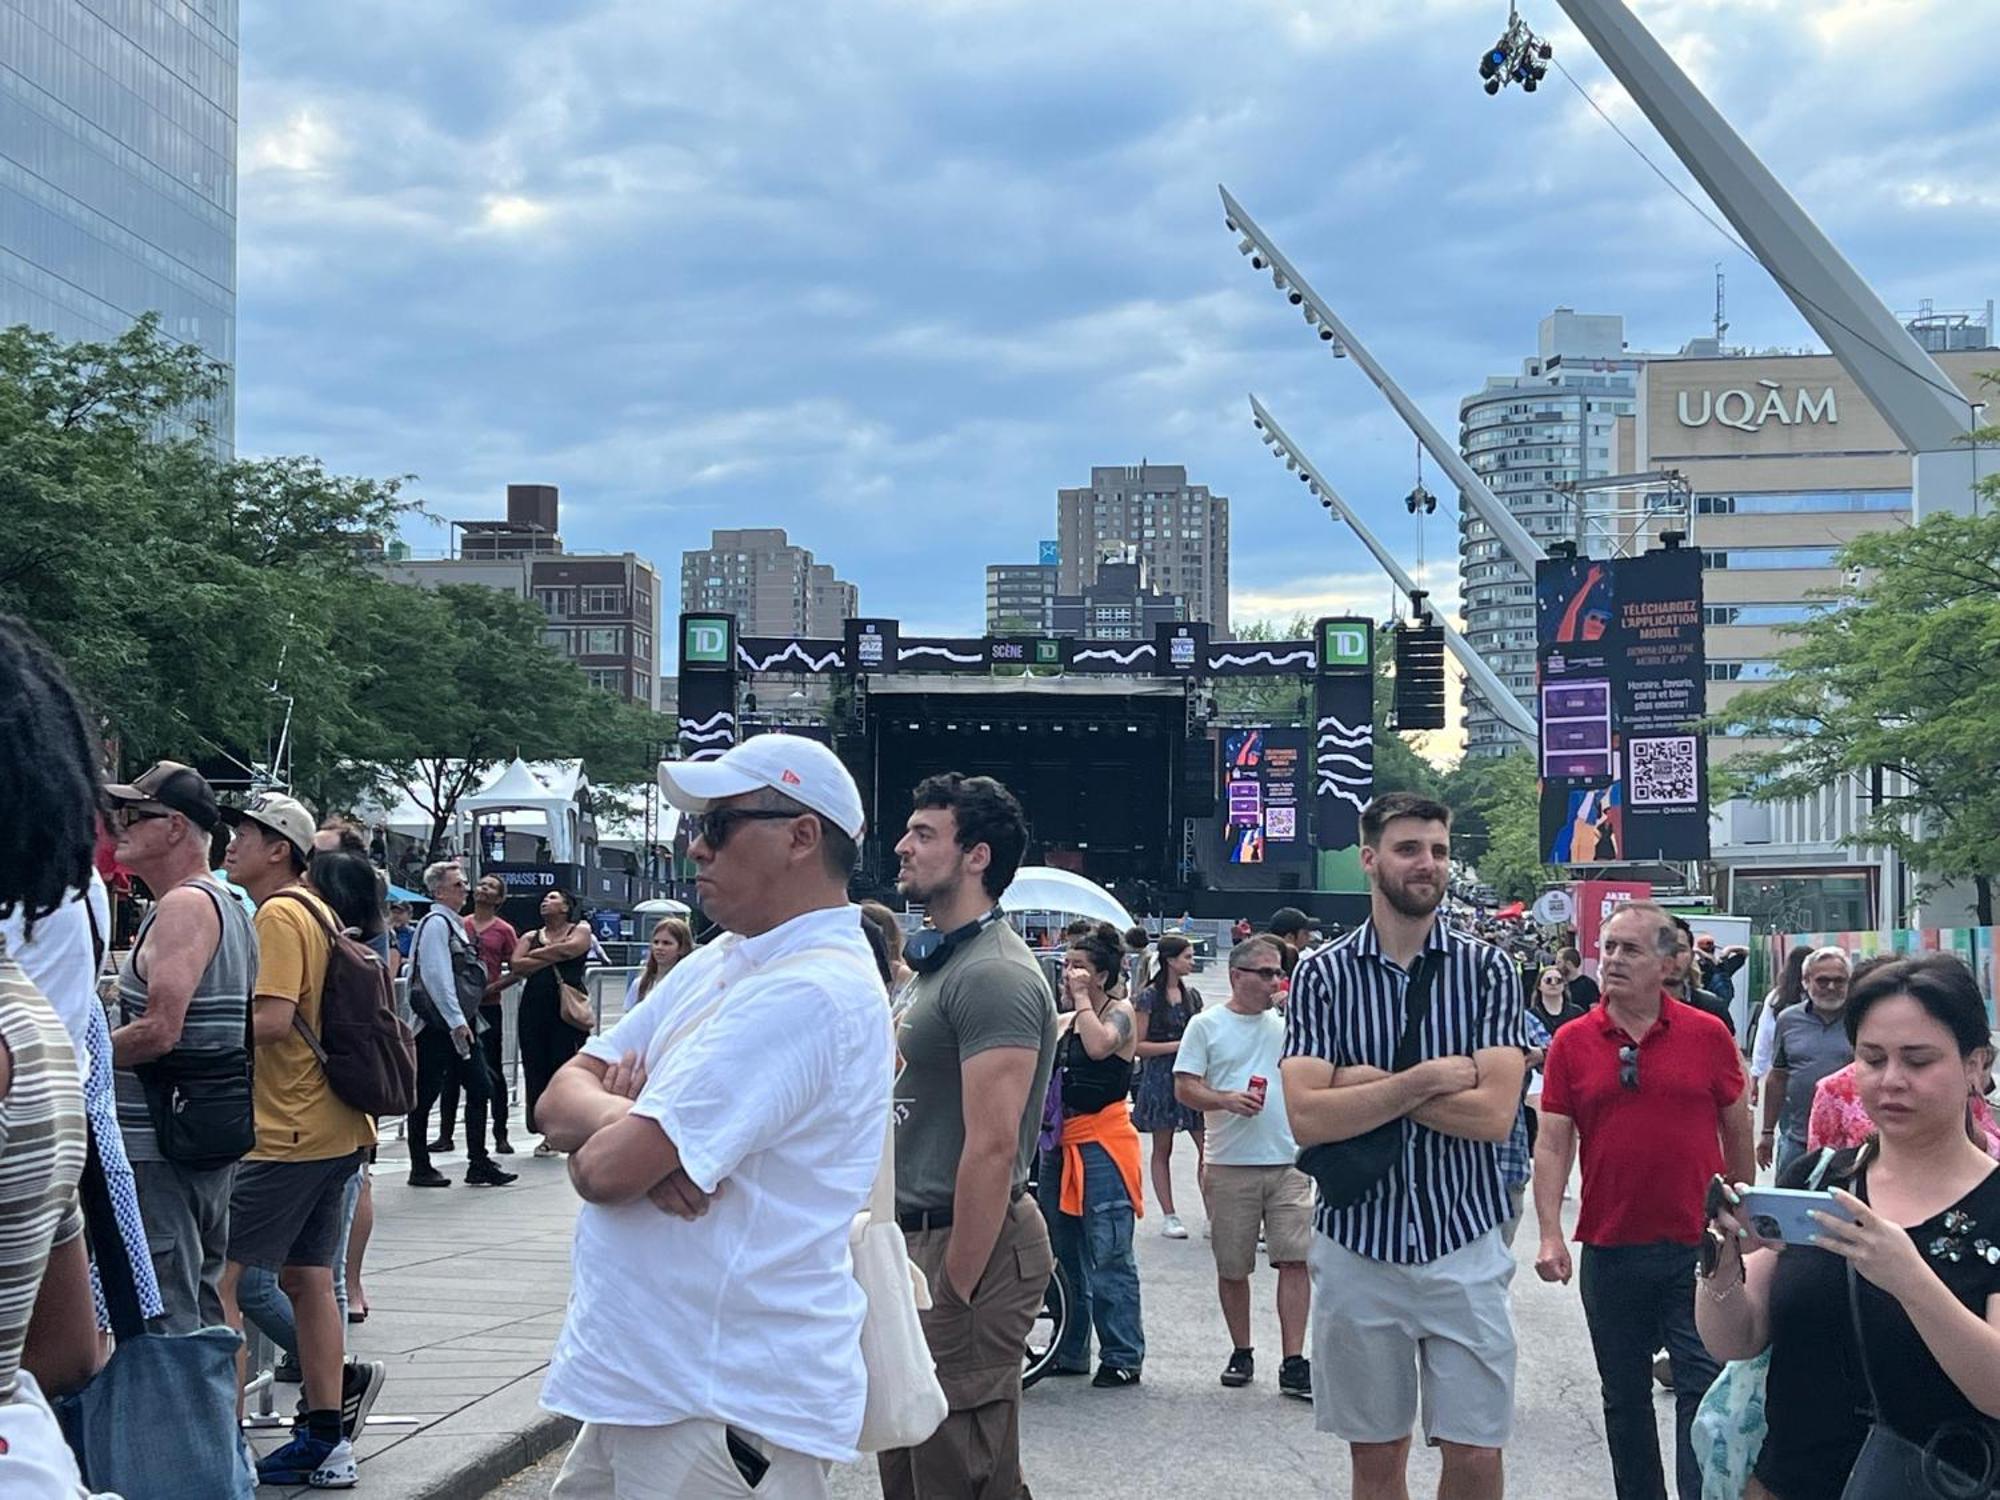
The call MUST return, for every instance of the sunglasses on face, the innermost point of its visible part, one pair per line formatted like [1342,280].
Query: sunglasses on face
[1628,1065]
[129,816]
[1263,973]
[712,828]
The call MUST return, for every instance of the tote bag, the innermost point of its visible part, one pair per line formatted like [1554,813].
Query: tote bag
[159,1420]
[906,1404]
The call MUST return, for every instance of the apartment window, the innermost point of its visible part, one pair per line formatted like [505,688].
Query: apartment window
[557,639]
[606,679]
[1758,614]
[1753,559]
[1801,501]
[555,603]
[645,645]
[601,599]
[1744,671]
[603,642]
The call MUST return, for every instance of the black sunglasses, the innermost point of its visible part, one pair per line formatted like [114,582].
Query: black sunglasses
[127,816]
[1262,973]
[712,827]
[1628,1065]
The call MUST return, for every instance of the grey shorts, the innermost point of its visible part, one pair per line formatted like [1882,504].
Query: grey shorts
[1390,1340]
[287,1213]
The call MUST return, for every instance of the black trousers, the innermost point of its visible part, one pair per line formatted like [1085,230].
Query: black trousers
[547,1042]
[1637,1300]
[437,1060]
[496,1080]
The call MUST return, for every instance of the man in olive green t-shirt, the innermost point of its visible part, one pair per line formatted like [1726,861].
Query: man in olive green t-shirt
[977,1042]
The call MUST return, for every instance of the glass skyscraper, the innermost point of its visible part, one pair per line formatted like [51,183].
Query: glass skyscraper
[118,172]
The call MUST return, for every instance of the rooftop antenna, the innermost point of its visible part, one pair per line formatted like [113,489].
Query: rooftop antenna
[1721,321]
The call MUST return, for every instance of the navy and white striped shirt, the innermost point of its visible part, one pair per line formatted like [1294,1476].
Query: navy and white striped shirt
[1346,1008]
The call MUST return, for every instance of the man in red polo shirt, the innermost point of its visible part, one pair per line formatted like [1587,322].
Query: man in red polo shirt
[1652,1089]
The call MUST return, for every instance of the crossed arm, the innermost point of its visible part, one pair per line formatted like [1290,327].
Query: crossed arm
[1472,1097]
[615,1156]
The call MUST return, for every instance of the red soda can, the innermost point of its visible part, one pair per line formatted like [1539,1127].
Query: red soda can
[1258,1084]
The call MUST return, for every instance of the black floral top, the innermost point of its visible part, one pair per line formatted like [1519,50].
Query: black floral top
[1816,1396]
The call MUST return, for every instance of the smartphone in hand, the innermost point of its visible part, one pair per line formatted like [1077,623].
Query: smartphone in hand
[1783,1215]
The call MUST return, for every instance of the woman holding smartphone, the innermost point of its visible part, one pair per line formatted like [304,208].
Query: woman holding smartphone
[1924,1249]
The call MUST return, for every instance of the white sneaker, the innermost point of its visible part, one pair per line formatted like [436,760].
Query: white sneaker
[1174,1229]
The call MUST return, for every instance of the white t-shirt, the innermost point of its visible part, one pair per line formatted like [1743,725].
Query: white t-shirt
[749,1315]
[1224,1048]
[61,962]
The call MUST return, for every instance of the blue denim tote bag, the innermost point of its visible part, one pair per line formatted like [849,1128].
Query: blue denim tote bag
[158,1422]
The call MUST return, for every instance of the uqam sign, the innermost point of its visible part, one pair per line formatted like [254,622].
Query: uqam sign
[1749,410]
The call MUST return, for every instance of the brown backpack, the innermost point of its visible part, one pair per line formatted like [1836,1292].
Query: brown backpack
[368,1053]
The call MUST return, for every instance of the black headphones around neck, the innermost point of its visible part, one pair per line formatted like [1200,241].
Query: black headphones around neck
[927,950]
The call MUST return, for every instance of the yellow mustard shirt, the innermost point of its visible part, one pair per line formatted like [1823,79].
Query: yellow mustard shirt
[299,1116]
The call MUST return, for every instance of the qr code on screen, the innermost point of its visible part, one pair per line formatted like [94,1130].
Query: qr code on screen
[1662,773]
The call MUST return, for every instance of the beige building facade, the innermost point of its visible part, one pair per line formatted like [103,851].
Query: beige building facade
[1149,514]
[1787,461]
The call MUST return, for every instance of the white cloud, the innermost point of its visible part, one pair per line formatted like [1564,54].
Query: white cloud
[889,273]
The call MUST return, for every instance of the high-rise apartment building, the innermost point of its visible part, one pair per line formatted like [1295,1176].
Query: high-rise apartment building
[1525,434]
[118,173]
[1148,514]
[772,586]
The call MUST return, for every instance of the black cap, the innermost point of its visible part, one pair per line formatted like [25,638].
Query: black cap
[1287,920]
[175,788]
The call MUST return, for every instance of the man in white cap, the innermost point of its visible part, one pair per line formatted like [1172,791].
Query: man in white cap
[723,1137]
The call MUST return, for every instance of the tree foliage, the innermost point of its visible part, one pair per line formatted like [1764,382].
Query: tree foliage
[1895,681]
[1496,822]
[217,610]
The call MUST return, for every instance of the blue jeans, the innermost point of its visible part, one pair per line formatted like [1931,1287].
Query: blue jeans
[1636,1300]
[264,1302]
[1095,1251]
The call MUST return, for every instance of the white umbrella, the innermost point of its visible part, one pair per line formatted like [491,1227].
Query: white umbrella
[660,906]
[1045,888]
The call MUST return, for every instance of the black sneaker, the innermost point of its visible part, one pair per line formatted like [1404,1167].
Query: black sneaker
[502,1146]
[1240,1370]
[485,1174]
[285,1370]
[1295,1377]
[1110,1376]
[428,1177]
[360,1383]
[443,1143]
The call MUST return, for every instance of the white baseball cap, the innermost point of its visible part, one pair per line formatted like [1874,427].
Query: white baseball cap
[804,770]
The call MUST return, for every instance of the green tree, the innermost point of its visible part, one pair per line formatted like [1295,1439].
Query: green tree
[227,609]
[1895,677]
[1496,822]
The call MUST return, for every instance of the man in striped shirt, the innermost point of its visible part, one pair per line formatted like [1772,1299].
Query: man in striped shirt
[1410,1282]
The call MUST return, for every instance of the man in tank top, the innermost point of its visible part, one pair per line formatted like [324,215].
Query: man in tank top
[185,988]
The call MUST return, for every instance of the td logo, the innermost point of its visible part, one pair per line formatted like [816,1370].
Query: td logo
[1346,644]
[706,643]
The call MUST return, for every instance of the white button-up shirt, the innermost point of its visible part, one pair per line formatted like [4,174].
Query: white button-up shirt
[749,1315]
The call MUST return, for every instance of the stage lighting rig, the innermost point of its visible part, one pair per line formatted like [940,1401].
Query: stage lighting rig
[1518,57]
[1263,256]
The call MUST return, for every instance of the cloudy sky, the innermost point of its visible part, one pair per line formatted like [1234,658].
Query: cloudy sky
[887,273]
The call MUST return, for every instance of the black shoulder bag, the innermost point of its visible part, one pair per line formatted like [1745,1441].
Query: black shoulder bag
[1891,1467]
[1348,1171]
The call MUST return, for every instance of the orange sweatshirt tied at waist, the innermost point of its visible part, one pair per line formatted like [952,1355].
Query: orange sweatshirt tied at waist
[1111,1127]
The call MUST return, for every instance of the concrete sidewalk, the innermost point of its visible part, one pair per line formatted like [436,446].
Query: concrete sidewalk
[466,1290]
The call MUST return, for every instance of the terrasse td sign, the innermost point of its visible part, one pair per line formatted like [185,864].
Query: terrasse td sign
[1748,410]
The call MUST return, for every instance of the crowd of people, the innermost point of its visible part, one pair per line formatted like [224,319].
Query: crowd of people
[1370,1111]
